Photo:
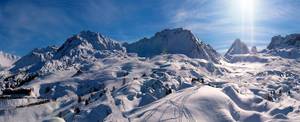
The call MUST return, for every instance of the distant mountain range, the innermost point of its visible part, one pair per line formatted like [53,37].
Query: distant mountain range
[289,41]
[287,47]
[87,46]
[81,48]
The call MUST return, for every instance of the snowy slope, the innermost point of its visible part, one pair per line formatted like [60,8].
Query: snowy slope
[256,92]
[136,89]
[253,57]
[208,104]
[117,84]
[6,60]
[174,41]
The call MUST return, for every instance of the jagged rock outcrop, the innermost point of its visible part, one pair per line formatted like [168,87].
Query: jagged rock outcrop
[174,41]
[290,41]
[286,47]
[237,47]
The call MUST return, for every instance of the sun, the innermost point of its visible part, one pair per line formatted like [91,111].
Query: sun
[247,6]
[244,8]
[246,11]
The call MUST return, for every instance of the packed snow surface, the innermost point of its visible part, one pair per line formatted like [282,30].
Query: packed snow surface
[130,88]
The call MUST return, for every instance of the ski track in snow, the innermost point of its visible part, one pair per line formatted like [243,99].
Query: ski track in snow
[178,102]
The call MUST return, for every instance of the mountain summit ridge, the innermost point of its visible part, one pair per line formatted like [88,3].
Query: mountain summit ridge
[289,41]
[287,47]
[89,42]
[237,47]
[86,47]
[174,41]
[80,48]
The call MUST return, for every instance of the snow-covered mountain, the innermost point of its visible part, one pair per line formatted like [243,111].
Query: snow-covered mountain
[174,41]
[80,49]
[287,47]
[92,78]
[6,60]
[34,60]
[237,47]
[87,43]
[289,41]
[239,52]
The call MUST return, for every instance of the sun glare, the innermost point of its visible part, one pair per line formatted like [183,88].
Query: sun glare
[246,12]
[246,6]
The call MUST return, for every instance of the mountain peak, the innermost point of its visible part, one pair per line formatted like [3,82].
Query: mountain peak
[6,59]
[34,60]
[174,41]
[254,50]
[238,47]
[89,35]
[287,47]
[82,48]
[237,41]
[168,30]
[175,31]
[289,41]
[88,42]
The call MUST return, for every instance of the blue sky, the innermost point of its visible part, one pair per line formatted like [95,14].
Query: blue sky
[29,24]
